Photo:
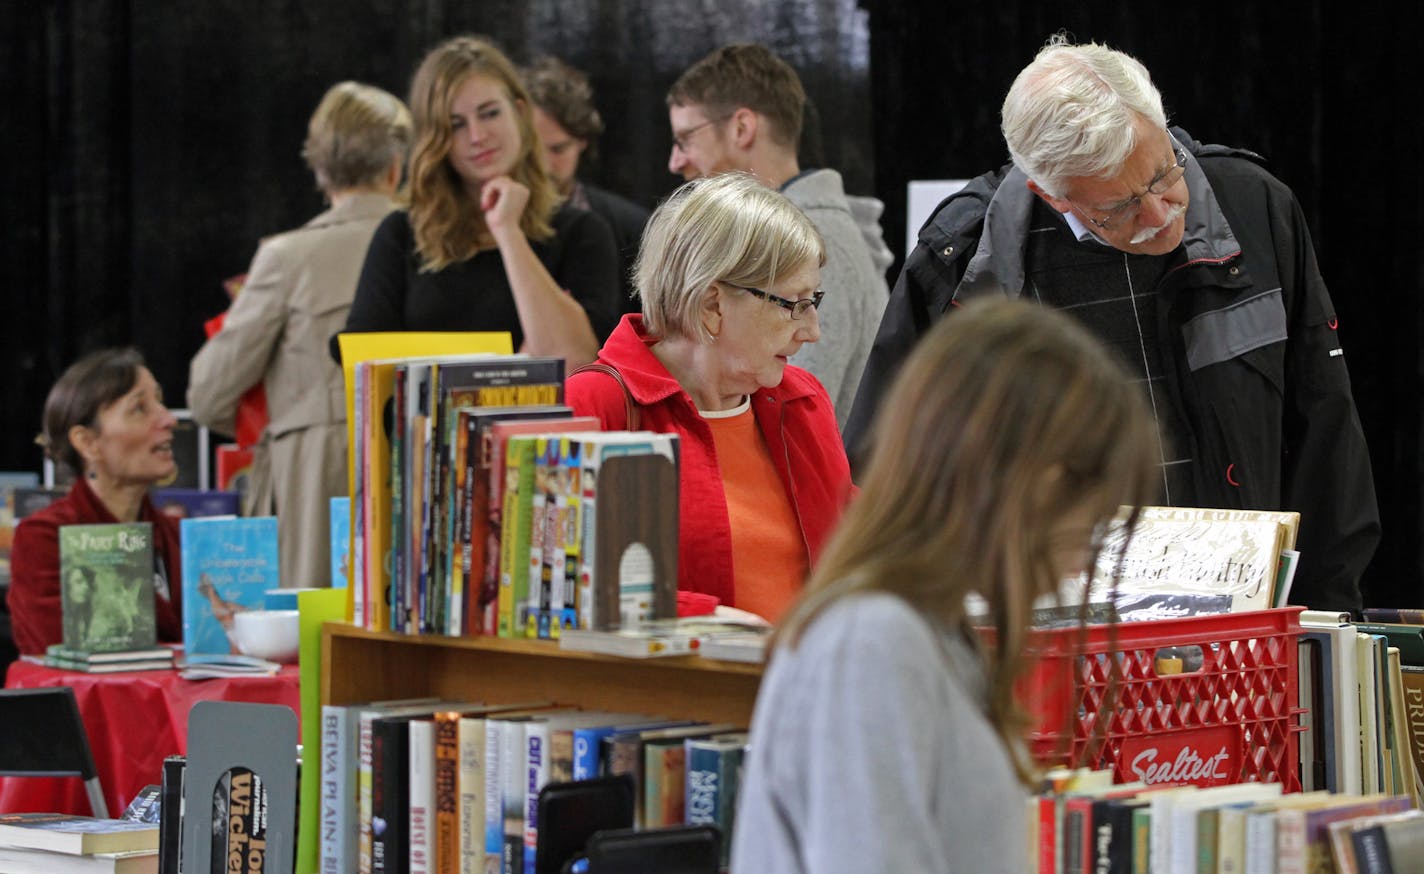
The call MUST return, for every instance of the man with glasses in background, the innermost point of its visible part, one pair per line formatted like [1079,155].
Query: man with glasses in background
[740,109]
[1195,265]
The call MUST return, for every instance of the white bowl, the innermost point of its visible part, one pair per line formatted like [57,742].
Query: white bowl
[267,634]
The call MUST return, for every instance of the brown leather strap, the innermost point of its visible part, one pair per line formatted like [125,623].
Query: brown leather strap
[632,414]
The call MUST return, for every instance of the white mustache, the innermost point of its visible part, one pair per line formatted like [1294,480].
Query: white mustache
[1146,234]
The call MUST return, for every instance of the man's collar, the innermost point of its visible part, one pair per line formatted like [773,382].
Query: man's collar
[1084,233]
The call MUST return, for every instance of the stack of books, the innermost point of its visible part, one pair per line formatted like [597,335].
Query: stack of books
[154,658]
[56,843]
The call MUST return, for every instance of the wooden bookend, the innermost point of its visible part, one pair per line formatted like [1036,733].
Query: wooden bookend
[637,542]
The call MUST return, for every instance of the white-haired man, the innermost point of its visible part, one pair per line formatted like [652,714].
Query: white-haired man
[1190,260]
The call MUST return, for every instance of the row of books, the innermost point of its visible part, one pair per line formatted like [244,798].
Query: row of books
[1362,691]
[428,786]
[474,507]
[404,470]
[1082,824]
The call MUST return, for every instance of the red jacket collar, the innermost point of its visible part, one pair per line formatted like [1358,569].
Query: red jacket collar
[629,349]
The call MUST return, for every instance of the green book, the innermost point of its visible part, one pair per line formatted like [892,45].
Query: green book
[106,586]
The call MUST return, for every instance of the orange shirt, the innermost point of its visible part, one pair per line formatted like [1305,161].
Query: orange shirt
[769,561]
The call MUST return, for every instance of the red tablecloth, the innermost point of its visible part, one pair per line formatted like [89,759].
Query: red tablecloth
[134,720]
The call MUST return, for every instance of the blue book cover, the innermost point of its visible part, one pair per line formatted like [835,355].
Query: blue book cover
[340,542]
[228,565]
[192,503]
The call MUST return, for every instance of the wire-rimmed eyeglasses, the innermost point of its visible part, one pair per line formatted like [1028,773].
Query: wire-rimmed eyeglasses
[1128,209]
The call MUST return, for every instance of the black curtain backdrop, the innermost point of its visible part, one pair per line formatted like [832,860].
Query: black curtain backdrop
[148,146]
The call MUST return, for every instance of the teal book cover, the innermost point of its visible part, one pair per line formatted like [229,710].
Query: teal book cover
[106,586]
[228,565]
[340,542]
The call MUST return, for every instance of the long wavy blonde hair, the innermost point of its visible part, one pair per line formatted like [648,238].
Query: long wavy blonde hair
[447,222]
[1007,425]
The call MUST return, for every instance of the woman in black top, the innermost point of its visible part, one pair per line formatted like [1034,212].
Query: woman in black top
[486,244]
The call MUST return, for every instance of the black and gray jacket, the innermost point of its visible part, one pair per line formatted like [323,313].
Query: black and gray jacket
[1258,372]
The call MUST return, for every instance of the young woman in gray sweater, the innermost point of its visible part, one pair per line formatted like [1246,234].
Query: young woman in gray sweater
[886,736]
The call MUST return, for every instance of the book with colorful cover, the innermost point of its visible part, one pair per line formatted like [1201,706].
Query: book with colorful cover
[106,577]
[228,565]
[9,481]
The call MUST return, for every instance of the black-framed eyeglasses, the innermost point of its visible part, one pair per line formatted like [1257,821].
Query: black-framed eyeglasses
[798,308]
[679,141]
[1128,209]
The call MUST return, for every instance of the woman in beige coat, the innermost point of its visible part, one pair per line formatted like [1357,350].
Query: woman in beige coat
[298,291]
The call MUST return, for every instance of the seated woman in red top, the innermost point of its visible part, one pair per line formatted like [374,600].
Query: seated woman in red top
[104,420]
[729,274]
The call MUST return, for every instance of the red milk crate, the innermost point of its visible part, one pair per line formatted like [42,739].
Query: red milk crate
[1231,719]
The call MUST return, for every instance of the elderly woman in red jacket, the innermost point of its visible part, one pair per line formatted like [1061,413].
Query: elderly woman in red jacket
[104,420]
[729,274]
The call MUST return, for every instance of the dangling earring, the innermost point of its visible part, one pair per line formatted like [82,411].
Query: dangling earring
[91,473]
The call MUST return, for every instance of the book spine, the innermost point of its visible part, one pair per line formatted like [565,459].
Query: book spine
[365,792]
[573,532]
[472,795]
[561,755]
[390,796]
[513,776]
[1372,851]
[339,822]
[537,614]
[398,500]
[555,547]
[1261,843]
[1141,840]
[589,615]
[447,794]
[457,524]
[587,742]
[492,592]
[494,784]
[170,815]
[536,744]
[1208,823]
[422,795]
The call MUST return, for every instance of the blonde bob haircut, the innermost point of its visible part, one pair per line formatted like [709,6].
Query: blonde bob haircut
[1008,437]
[728,228]
[355,134]
[447,222]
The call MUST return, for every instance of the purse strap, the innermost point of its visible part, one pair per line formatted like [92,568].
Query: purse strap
[632,413]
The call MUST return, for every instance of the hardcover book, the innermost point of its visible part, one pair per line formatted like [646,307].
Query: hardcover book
[1198,552]
[106,586]
[228,565]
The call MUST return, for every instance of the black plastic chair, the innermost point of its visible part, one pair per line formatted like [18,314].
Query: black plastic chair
[42,735]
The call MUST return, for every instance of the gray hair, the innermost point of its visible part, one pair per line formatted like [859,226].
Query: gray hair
[728,228]
[1071,112]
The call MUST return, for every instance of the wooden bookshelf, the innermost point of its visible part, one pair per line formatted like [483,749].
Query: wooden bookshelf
[358,665]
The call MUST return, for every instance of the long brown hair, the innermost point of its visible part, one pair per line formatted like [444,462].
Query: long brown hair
[1007,422]
[447,222]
